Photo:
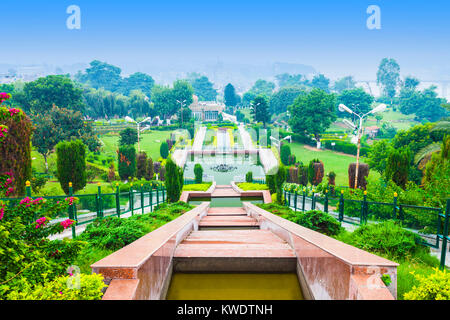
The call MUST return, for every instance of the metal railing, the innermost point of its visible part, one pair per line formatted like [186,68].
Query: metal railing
[100,205]
[432,224]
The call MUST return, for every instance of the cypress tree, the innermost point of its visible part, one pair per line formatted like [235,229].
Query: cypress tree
[71,164]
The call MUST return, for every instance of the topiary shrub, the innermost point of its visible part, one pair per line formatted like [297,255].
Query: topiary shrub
[149,173]
[164,150]
[316,220]
[15,147]
[198,171]
[174,183]
[303,175]
[71,164]
[363,173]
[435,286]
[388,239]
[270,182]
[127,161]
[249,177]
[141,165]
[285,152]
[280,179]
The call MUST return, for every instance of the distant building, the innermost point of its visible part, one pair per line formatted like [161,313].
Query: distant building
[206,110]
[372,131]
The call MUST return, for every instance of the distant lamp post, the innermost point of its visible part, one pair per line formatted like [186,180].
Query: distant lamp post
[128,119]
[343,108]
[182,104]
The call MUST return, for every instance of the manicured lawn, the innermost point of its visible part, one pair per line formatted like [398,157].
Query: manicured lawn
[245,186]
[197,187]
[53,188]
[332,161]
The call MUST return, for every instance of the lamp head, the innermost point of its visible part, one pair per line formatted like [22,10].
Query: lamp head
[344,108]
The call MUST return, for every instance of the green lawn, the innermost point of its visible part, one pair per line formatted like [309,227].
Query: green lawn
[332,161]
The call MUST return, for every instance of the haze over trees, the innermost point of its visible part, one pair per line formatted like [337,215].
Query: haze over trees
[388,76]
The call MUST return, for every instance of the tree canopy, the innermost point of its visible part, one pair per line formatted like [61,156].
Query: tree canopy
[388,76]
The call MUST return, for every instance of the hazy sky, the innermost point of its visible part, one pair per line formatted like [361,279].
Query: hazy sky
[329,35]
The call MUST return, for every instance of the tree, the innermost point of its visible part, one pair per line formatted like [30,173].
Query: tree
[164,101]
[128,136]
[46,136]
[378,155]
[139,105]
[346,83]
[102,75]
[173,181]
[204,89]
[280,100]
[388,76]
[164,150]
[71,164]
[230,96]
[112,173]
[183,91]
[263,87]
[127,161]
[424,104]
[40,95]
[138,81]
[312,113]
[198,171]
[357,100]
[321,82]
[288,80]
[280,179]
[398,165]
[150,173]
[363,173]
[411,83]
[260,109]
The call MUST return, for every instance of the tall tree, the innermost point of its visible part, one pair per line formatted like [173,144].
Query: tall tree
[357,100]
[321,82]
[164,101]
[263,87]
[230,96]
[71,164]
[426,104]
[312,113]
[260,109]
[346,83]
[138,81]
[183,91]
[204,89]
[280,100]
[388,76]
[102,75]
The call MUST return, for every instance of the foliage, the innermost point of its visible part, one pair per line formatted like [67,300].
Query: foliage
[285,152]
[388,76]
[71,164]
[174,181]
[283,98]
[280,179]
[15,147]
[198,171]
[164,150]
[263,87]
[203,89]
[37,182]
[357,100]
[249,177]
[426,104]
[127,161]
[249,186]
[397,167]
[316,220]
[141,165]
[436,286]
[90,288]
[270,182]
[363,173]
[128,136]
[346,83]
[197,187]
[150,172]
[377,156]
[386,238]
[260,110]
[312,113]
[321,82]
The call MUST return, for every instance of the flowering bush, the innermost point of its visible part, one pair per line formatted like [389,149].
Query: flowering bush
[436,286]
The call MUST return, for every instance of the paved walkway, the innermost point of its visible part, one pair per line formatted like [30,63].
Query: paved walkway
[199,138]
[225,191]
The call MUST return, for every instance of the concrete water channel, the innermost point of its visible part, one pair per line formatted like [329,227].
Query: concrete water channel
[228,248]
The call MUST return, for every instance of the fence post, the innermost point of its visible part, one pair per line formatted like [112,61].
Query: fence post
[151,199]
[142,199]
[71,215]
[341,207]
[326,201]
[395,205]
[163,194]
[157,195]
[289,199]
[304,199]
[131,199]
[28,189]
[100,202]
[295,200]
[117,200]
[445,235]
[363,219]
[313,200]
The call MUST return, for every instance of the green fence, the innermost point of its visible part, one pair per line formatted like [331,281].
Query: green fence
[100,205]
[432,224]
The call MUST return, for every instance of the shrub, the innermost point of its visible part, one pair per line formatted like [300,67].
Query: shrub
[285,152]
[248,186]
[436,286]
[198,171]
[315,172]
[127,161]
[303,175]
[387,238]
[71,164]
[174,181]
[397,166]
[164,150]
[363,173]
[141,165]
[270,182]
[129,136]
[90,288]
[111,173]
[316,220]
[280,179]
[15,147]
[37,182]
[249,177]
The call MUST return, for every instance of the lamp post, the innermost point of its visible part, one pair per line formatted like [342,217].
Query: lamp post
[182,104]
[128,119]
[381,107]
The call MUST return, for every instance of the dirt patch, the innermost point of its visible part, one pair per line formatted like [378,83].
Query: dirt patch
[320,150]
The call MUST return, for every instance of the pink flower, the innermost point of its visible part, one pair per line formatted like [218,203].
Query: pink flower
[40,222]
[2,212]
[67,223]
[14,111]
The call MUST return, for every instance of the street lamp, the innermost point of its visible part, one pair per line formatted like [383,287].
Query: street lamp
[128,119]
[380,108]
[182,103]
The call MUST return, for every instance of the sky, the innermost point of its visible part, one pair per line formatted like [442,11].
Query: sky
[330,35]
